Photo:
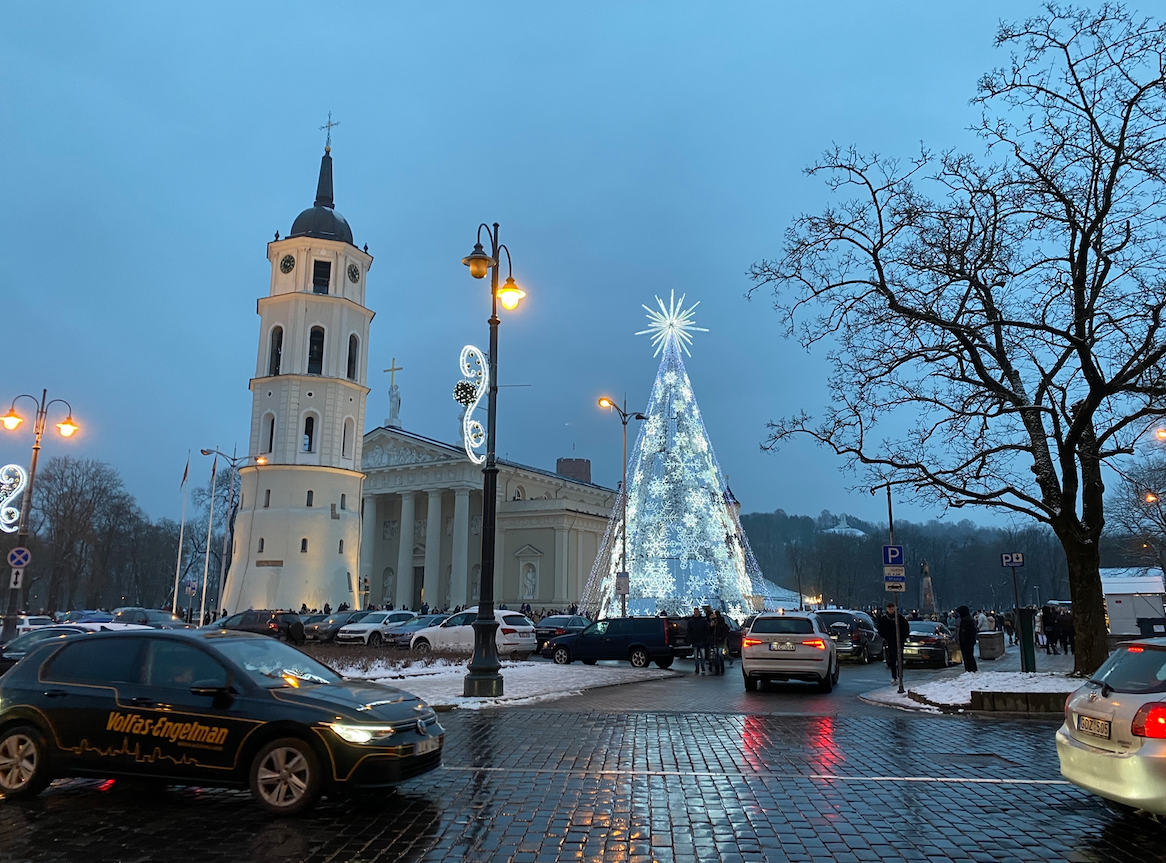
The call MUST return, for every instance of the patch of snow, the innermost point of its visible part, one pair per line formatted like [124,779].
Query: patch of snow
[957,691]
[890,697]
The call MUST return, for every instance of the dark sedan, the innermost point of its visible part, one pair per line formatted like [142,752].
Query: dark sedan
[931,643]
[854,633]
[15,650]
[401,636]
[262,622]
[558,624]
[326,629]
[152,617]
[212,708]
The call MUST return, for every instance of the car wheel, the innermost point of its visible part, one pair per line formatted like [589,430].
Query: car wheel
[750,683]
[561,656]
[639,658]
[590,661]
[664,663]
[422,646]
[286,777]
[826,684]
[374,640]
[24,766]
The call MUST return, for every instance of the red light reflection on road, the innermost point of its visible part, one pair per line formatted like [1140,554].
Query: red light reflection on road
[824,752]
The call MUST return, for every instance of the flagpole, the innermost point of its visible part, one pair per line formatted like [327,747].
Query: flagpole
[181,536]
[209,529]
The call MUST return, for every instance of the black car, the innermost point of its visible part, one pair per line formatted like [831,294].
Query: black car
[931,643]
[402,636]
[262,622]
[15,650]
[640,640]
[199,707]
[326,629]
[151,617]
[855,634]
[558,624]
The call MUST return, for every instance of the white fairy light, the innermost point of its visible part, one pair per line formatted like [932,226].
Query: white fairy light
[671,322]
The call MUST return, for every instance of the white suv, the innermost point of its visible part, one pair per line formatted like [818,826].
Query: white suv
[372,628]
[788,646]
[514,637]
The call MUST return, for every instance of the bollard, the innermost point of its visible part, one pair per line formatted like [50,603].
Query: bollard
[1024,617]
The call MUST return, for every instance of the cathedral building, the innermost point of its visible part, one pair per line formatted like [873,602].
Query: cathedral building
[297,532]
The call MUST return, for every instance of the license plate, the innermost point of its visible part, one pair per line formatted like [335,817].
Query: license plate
[1093,727]
[781,645]
[429,744]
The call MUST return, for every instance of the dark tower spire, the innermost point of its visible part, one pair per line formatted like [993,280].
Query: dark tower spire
[324,187]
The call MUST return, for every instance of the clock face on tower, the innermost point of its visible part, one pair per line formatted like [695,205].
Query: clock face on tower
[287,264]
[353,273]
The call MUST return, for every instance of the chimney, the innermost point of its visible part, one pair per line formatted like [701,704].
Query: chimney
[575,468]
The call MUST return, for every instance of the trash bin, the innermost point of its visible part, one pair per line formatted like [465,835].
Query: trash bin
[1152,626]
[991,644]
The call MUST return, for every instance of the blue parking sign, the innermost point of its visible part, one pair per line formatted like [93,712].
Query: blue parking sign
[893,555]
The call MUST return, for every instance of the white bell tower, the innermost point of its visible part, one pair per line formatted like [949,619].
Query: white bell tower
[297,532]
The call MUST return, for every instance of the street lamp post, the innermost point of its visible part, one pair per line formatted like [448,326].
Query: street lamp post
[11,420]
[898,634]
[232,511]
[624,416]
[483,679]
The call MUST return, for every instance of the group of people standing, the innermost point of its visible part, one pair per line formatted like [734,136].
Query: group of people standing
[708,634]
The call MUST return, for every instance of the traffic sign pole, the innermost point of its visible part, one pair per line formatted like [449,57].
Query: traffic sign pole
[893,556]
[1012,560]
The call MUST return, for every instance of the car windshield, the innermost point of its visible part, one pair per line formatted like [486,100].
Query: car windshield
[24,643]
[272,663]
[782,625]
[373,618]
[163,617]
[427,620]
[1136,669]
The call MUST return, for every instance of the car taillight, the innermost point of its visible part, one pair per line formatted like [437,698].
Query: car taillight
[855,637]
[271,624]
[750,642]
[1150,721]
[560,631]
[508,631]
[816,643]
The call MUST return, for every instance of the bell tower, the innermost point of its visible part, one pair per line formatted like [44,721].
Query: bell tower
[297,532]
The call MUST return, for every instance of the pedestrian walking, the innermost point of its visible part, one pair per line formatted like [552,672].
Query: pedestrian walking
[720,637]
[698,636]
[1010,626]
[1048,619]
[893,641]
[966,636]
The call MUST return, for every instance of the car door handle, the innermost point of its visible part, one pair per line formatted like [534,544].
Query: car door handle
[142,701]
[55,693]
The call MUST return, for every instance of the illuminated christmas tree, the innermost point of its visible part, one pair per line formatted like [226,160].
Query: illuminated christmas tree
[685,544]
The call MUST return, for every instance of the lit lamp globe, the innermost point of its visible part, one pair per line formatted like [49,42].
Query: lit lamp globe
[605,402]
[67,427]
[509,295]
[11,419]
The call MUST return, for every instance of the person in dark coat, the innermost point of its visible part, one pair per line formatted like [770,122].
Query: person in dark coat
[966,636]
[893,643]
[698,636]
[1052,630]
[720,633]
[295,632]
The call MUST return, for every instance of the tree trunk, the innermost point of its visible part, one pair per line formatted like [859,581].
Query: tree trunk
[1084,563]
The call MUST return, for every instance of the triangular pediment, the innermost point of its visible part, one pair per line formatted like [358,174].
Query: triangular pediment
[528,551]
[388,448]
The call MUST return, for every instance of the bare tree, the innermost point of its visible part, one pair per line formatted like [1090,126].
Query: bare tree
[1010,308]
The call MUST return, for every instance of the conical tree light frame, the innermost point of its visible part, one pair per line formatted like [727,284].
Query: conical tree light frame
[685,545]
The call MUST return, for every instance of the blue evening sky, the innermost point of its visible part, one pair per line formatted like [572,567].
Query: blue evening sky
[150,151]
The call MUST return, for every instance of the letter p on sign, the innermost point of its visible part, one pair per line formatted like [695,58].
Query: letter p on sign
[1014,558]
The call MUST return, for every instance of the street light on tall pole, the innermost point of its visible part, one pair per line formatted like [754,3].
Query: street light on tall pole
[232,510]
[11,421]
[624,416]
[483,679]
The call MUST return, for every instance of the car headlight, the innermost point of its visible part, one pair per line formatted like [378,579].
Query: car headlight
[362,733]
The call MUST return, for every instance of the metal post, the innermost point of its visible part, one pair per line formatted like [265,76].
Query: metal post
[623,565]
[898,634]
[1027,659]
[483,679]
[9,630]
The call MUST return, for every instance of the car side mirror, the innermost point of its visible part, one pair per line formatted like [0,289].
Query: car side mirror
[211,689]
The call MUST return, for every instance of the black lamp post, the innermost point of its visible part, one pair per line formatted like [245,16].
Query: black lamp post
[11,420]
[483,679]
[624,416]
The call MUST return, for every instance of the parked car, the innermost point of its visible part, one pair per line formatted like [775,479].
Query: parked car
[15,650]
[208,708]
[325,630]
[558,624]
[789,646]
[309,619]
[29,622]
[262,621]
[400,636]
[639,640]
[1113,739]
[932,643]
[854,633]
[373,627]
[514,637]
[81,615]
[151,617]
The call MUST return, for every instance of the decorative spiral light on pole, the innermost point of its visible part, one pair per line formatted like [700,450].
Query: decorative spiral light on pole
[468,394]
[13,479]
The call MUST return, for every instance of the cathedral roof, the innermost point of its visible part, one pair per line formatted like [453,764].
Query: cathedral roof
[321,219]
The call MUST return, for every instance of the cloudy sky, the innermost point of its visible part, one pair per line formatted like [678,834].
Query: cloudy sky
[151,150]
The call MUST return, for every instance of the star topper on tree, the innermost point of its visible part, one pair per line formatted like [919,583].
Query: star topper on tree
[671,322]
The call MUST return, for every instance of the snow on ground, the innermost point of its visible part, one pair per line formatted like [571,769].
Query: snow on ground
[440,683]
[889,697]
[957,691]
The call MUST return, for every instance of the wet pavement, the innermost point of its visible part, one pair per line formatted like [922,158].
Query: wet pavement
[547,784]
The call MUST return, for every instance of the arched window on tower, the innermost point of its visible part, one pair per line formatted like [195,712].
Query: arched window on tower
[269,433]
[344,501]
[311,497]
[353,356]
[316,351]
[346,439]
[276,355]
[304,544]
[309,433]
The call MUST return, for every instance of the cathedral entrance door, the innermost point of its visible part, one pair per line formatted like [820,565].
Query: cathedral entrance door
[418,583]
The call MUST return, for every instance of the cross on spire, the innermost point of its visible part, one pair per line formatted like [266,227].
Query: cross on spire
[392,372]
[328,126]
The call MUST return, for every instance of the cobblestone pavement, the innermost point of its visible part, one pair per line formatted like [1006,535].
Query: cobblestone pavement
[545,785]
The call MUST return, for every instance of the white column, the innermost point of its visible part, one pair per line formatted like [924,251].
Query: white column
[368,538]
[561,558]
[433,548]
[405,552]
[461,550]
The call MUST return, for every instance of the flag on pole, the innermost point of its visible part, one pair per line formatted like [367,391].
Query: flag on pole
[186,470]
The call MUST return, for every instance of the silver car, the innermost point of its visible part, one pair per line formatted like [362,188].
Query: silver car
[1113,740]
[788,646]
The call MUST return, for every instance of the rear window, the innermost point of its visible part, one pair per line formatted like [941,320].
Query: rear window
[556,620]
[97,661]
[832,617]
[516,620]
[782,626]
[1135,669]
